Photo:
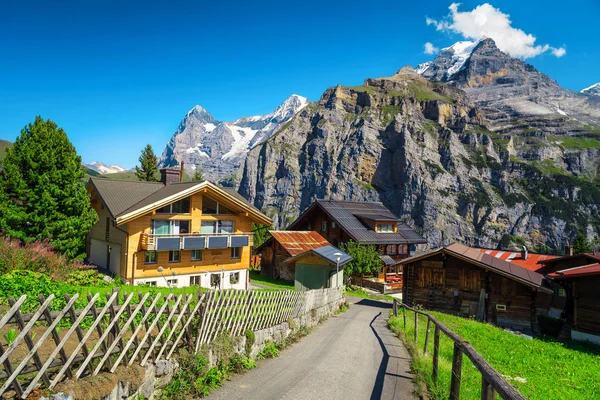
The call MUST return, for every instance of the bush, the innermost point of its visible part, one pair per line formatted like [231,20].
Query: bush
[250,339]
[269,351]
[36,256]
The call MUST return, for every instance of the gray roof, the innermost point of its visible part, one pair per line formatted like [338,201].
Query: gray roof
[347,214]
[119,195]
[164,192]
[327,253]
[388,261]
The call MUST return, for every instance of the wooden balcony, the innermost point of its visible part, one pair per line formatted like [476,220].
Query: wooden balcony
[195,241]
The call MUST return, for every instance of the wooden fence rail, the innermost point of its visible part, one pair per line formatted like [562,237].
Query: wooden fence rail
[133,328]
[492,382]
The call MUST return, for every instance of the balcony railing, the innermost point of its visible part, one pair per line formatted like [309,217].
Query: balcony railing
[195,241]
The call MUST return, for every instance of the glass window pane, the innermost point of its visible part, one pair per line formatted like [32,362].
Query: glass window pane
[224,210]
[208,227]
[196,255]
[185,205]
[209,206]
[225,227]
[160,227]
[184,227]
[174,256]
[164,210]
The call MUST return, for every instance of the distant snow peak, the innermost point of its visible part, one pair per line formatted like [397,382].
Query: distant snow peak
[423,67]
[461,51]
[593,90]
[105,169]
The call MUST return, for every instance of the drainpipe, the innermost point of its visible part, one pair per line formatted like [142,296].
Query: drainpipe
[126,252]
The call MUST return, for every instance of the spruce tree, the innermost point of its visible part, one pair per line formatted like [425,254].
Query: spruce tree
[198,176]
[42,194]
[148,169]
[581,244]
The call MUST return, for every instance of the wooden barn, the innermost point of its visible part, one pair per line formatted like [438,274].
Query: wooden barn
[582,284]
[471,282]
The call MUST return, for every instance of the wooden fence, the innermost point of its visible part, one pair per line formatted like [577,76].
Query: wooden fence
[492,382]
[104,334]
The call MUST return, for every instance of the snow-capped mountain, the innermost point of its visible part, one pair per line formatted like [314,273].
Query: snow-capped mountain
[592,90]
[105,169]
[220,148]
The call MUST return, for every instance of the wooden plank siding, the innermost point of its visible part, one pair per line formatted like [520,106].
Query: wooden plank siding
[587,304]
[453,286]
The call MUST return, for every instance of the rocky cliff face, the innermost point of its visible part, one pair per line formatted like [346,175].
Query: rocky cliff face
[456,164]
[219,148]
[593,90]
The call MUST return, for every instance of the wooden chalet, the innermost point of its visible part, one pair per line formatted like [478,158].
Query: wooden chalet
[579,275]
[479,283]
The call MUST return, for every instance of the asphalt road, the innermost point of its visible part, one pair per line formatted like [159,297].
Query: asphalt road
[350,356]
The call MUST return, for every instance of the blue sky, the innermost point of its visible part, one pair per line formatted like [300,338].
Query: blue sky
[119,74]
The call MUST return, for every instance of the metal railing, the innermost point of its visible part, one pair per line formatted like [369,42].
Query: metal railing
[492,381]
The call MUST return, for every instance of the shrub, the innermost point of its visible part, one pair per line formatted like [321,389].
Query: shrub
[269,351]
[250,339]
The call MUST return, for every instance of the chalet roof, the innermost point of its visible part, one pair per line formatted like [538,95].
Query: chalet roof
[119,195]
[531,263]
[477,257]
[576,272]
[297,242]
[347,214]
[127,199]
[388,261]
[593,257]
[327,253]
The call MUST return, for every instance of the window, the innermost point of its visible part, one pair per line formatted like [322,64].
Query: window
[172,282]
[385,228]
[215,280]
[149,283]
[150,257]
[196,255]
[195,280]
[235,252]
[391,249]
[324,226]
[211,207]
[225,226]
[174,256]
[403,249]
[179,207]
[234,278]
[333,224]
[169,227]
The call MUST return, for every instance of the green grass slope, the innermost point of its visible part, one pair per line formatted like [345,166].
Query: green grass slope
[538,368]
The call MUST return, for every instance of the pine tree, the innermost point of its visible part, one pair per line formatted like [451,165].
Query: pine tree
[42,195]
[198,176]
[581,244]
[148,169]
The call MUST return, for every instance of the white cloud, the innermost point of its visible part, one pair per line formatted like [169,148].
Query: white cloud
[487,21]
[430,48]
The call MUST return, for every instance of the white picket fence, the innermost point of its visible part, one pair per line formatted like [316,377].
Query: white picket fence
[133,328]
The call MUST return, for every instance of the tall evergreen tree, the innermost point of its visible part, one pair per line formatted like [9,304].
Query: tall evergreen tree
[198,175]
[148,169]
[42,195]
[581,244]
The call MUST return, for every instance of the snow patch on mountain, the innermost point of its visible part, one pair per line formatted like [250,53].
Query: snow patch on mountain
[594,89]
[461,51]
[105,169]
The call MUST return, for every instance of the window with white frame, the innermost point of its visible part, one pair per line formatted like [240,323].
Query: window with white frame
[234,278]
[149,283]
[220,226]
[150,257]
[236,252]
[172,282]
[195,280]
[179,207]
[385,228]
[196,255]
[170,227]
[174,256]
[215,280]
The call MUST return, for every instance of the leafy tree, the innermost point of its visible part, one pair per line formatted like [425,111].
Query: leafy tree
[42,195]
[148,169]
[261,233]
[581,244]
[198,176]
[365,260]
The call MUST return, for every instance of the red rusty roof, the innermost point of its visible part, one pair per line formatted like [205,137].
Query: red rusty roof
[298,242]
[532,263]
[592,269]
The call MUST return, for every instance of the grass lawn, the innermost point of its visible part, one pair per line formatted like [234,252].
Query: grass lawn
[256,277]
[538,368]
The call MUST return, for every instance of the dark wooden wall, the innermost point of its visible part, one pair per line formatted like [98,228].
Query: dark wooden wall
[454,286]
[586,293]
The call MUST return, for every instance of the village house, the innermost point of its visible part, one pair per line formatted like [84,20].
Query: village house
[199,233]
[500,287]
[579,275]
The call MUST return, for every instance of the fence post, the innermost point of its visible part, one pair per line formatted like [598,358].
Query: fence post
[395,308]
[487,390]
[416,328]
[456,373]
[427,335]
[404,315]
[436,352]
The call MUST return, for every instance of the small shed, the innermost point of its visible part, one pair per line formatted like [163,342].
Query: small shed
[318,268]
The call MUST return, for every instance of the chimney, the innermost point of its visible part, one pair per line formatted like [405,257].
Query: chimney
[181,172]
[524,253]
[568,250]
[169,175]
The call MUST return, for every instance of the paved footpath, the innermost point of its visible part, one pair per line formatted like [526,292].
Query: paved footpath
[350,356]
